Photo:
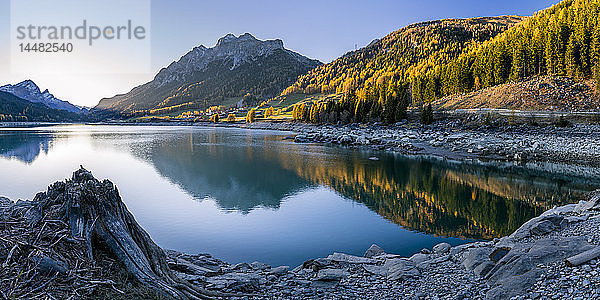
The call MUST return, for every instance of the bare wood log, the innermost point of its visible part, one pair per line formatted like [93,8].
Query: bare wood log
[584,257]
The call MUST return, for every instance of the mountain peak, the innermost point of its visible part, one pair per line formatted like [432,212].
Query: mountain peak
[29,85]
[230,50]
[234,67]
[30,91]
[231,38]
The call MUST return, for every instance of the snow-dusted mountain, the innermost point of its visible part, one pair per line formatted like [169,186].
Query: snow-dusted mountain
[29,91]
[221,75]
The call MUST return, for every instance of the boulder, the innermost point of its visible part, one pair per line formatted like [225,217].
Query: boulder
[316,264]
[242,267]
[425,251]
[542,228]
[373,251]
[376,270]
[498,253]
[282,270]
[350,259]
[419,258]
[401,268]
[475,257]
[516,271]
[441,248]
[536,226]
[592,205]
[241,282]
[345,140]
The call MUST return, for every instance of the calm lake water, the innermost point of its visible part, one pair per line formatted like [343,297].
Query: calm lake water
[246,195]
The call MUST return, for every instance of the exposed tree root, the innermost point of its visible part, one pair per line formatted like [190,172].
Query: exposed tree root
[72,231]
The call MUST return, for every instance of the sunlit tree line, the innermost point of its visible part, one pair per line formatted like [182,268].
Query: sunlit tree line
[563,40]
[400,56]
[382,102]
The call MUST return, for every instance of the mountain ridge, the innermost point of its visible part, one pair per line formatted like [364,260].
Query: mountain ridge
[15,109]
[233,68]
[30,91]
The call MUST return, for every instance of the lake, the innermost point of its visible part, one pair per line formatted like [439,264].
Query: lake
[250,195]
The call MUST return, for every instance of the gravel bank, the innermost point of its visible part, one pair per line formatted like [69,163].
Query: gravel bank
[579,143]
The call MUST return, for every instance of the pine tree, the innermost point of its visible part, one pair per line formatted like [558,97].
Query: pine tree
[427,114]
[251,116]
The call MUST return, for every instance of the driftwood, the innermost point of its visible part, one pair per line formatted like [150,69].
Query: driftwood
[85,222]
[583,258]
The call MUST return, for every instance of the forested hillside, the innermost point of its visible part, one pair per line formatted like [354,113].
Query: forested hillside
[386,68]
[562,40]
[404,53]
[428,61]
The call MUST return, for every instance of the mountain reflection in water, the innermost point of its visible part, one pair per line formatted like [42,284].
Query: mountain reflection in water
[243,170]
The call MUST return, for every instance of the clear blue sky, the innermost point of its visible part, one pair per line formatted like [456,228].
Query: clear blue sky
[319,29]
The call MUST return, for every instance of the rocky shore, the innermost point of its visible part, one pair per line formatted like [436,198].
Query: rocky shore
[459,139]
[535,262]
[553,256]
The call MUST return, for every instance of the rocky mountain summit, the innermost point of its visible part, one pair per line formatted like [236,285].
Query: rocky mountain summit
[233,68]
[29,91]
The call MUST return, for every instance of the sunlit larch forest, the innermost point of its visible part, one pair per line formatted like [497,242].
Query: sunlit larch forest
[427,61]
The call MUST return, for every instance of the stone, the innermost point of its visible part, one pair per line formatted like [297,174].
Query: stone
[518,270]
[475,257]
[301,139]
[441,248]
[242,282]
[316,264]
[282,270]
[401,268]
[190,277]
[345,140]
[242,267]
[331,275]
[419,258]
[425,251]
[350,259]
[513,286]
[373,251]
[542,228]
[592,205]
[536,226]
[376,270]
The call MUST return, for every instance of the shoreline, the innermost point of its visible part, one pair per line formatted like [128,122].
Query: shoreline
[528,264]
[450,139]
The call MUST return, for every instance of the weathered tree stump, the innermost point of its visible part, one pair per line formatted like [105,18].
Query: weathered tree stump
[96,214]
